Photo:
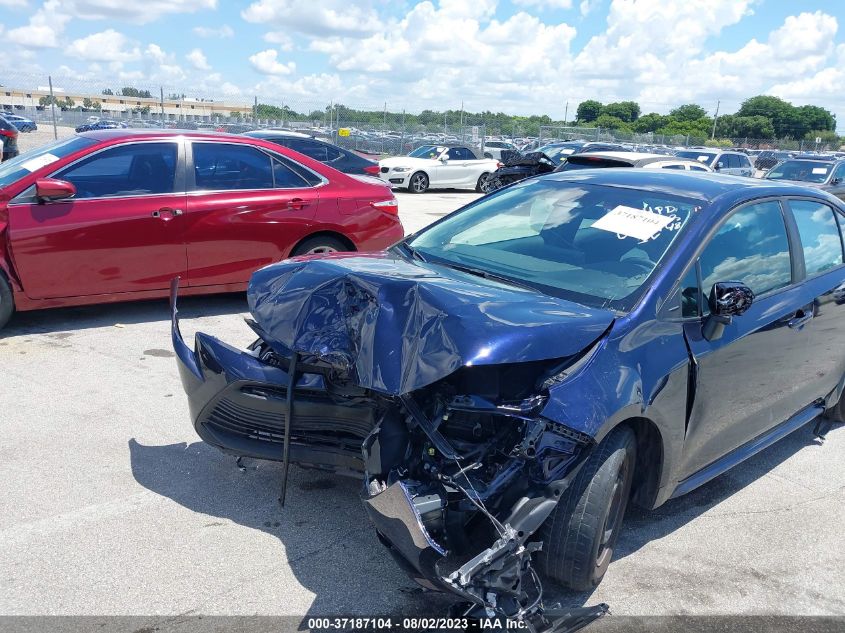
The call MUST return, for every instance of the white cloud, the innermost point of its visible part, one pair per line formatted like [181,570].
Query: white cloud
[12,3]
[198,59]
[137,12]
[266,62]
[44,29]
[222,32]
[588,6]
[544,4]
[280,39]
[107,46]
[326,17]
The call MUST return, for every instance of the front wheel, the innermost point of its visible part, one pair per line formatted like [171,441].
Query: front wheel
[580,535]
[7,301]
[418,183]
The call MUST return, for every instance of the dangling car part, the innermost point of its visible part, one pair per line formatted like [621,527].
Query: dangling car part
[519,167]
[507,379]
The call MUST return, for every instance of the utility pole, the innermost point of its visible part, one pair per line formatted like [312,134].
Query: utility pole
[715,118]
[161,102]
[53,107]
[462,118]
[566,113]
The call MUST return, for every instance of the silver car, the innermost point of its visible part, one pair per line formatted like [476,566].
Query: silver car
[735,163]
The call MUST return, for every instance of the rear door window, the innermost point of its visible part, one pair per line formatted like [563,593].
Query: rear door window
[820,237]
[223,166]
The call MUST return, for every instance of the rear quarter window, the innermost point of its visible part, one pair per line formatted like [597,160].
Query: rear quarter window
[821,239]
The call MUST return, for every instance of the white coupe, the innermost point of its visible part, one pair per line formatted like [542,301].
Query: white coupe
[438,167]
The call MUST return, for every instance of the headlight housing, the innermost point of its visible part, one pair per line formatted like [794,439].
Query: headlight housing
[401,169]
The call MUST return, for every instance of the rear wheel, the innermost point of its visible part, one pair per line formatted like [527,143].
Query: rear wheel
[418,183]
[320,244]
[580,535]
[7,301]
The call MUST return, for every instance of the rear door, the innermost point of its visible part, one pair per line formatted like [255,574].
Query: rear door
[122,231]
[247,207]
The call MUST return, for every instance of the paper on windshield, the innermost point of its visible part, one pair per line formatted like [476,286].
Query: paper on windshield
[632,222]
[820,170]
[34,164]
[704,158]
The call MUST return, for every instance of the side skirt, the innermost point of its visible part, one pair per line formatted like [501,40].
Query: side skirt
[747,450]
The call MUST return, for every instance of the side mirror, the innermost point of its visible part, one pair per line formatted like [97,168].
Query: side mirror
[444,159]
[49,189]
[836,181]
[727,300]
[719,165]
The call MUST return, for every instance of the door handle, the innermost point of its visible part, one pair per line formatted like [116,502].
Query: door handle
[297,203]
[801,317]
[162,213]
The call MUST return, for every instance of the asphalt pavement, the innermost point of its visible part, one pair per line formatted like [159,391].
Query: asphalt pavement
[113,506]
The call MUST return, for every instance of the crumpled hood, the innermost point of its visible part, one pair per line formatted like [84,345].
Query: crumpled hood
[400,325]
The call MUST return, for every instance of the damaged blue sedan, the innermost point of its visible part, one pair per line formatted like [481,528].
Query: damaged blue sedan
[508,379]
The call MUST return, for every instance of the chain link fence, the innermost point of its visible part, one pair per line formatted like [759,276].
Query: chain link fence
[72,101]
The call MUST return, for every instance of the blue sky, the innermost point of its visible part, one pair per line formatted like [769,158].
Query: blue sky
[518,56]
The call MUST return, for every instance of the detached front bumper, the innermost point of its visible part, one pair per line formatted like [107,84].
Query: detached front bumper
[238,404]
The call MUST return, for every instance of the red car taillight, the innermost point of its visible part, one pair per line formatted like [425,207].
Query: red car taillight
[371,169]
[390,206]
[9,133]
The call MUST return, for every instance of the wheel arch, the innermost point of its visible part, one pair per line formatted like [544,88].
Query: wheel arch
[648,469]
[324,233]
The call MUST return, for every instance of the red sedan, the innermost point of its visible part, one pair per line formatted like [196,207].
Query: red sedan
[114,215]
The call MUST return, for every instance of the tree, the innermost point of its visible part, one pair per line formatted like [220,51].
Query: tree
[589,111]
[781,113]
[735,126]
[47,100]
[689,112]
[67,103]
[816,118]
[108,91]
[827,137]
[612,122]
[650,122]
[628,111]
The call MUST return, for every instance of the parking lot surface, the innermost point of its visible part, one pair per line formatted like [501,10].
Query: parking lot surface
[113,506]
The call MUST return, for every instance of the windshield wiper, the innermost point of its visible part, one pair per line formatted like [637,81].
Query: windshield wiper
[487,275]
[410,250]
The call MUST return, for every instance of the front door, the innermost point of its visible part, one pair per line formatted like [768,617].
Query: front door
[121,232]
[759,373]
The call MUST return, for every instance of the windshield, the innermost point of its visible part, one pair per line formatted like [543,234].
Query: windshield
[558,153]
[803,170]
[427,151]
[703,157]
[24,164]
[591,244]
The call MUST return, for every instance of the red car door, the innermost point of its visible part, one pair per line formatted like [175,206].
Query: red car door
[121,232]
[246,208]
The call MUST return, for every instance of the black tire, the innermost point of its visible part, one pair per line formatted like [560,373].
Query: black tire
[418,183]
[580,534]
[837,412]
[7,301]
[483,184]
[320,244]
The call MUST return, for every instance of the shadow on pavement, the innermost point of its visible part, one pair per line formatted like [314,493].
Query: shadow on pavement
[325,509]
[131,312]
[330,546]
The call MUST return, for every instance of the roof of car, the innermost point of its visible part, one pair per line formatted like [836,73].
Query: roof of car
[114,134]
[290,133]
[703,186]
[634,156]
